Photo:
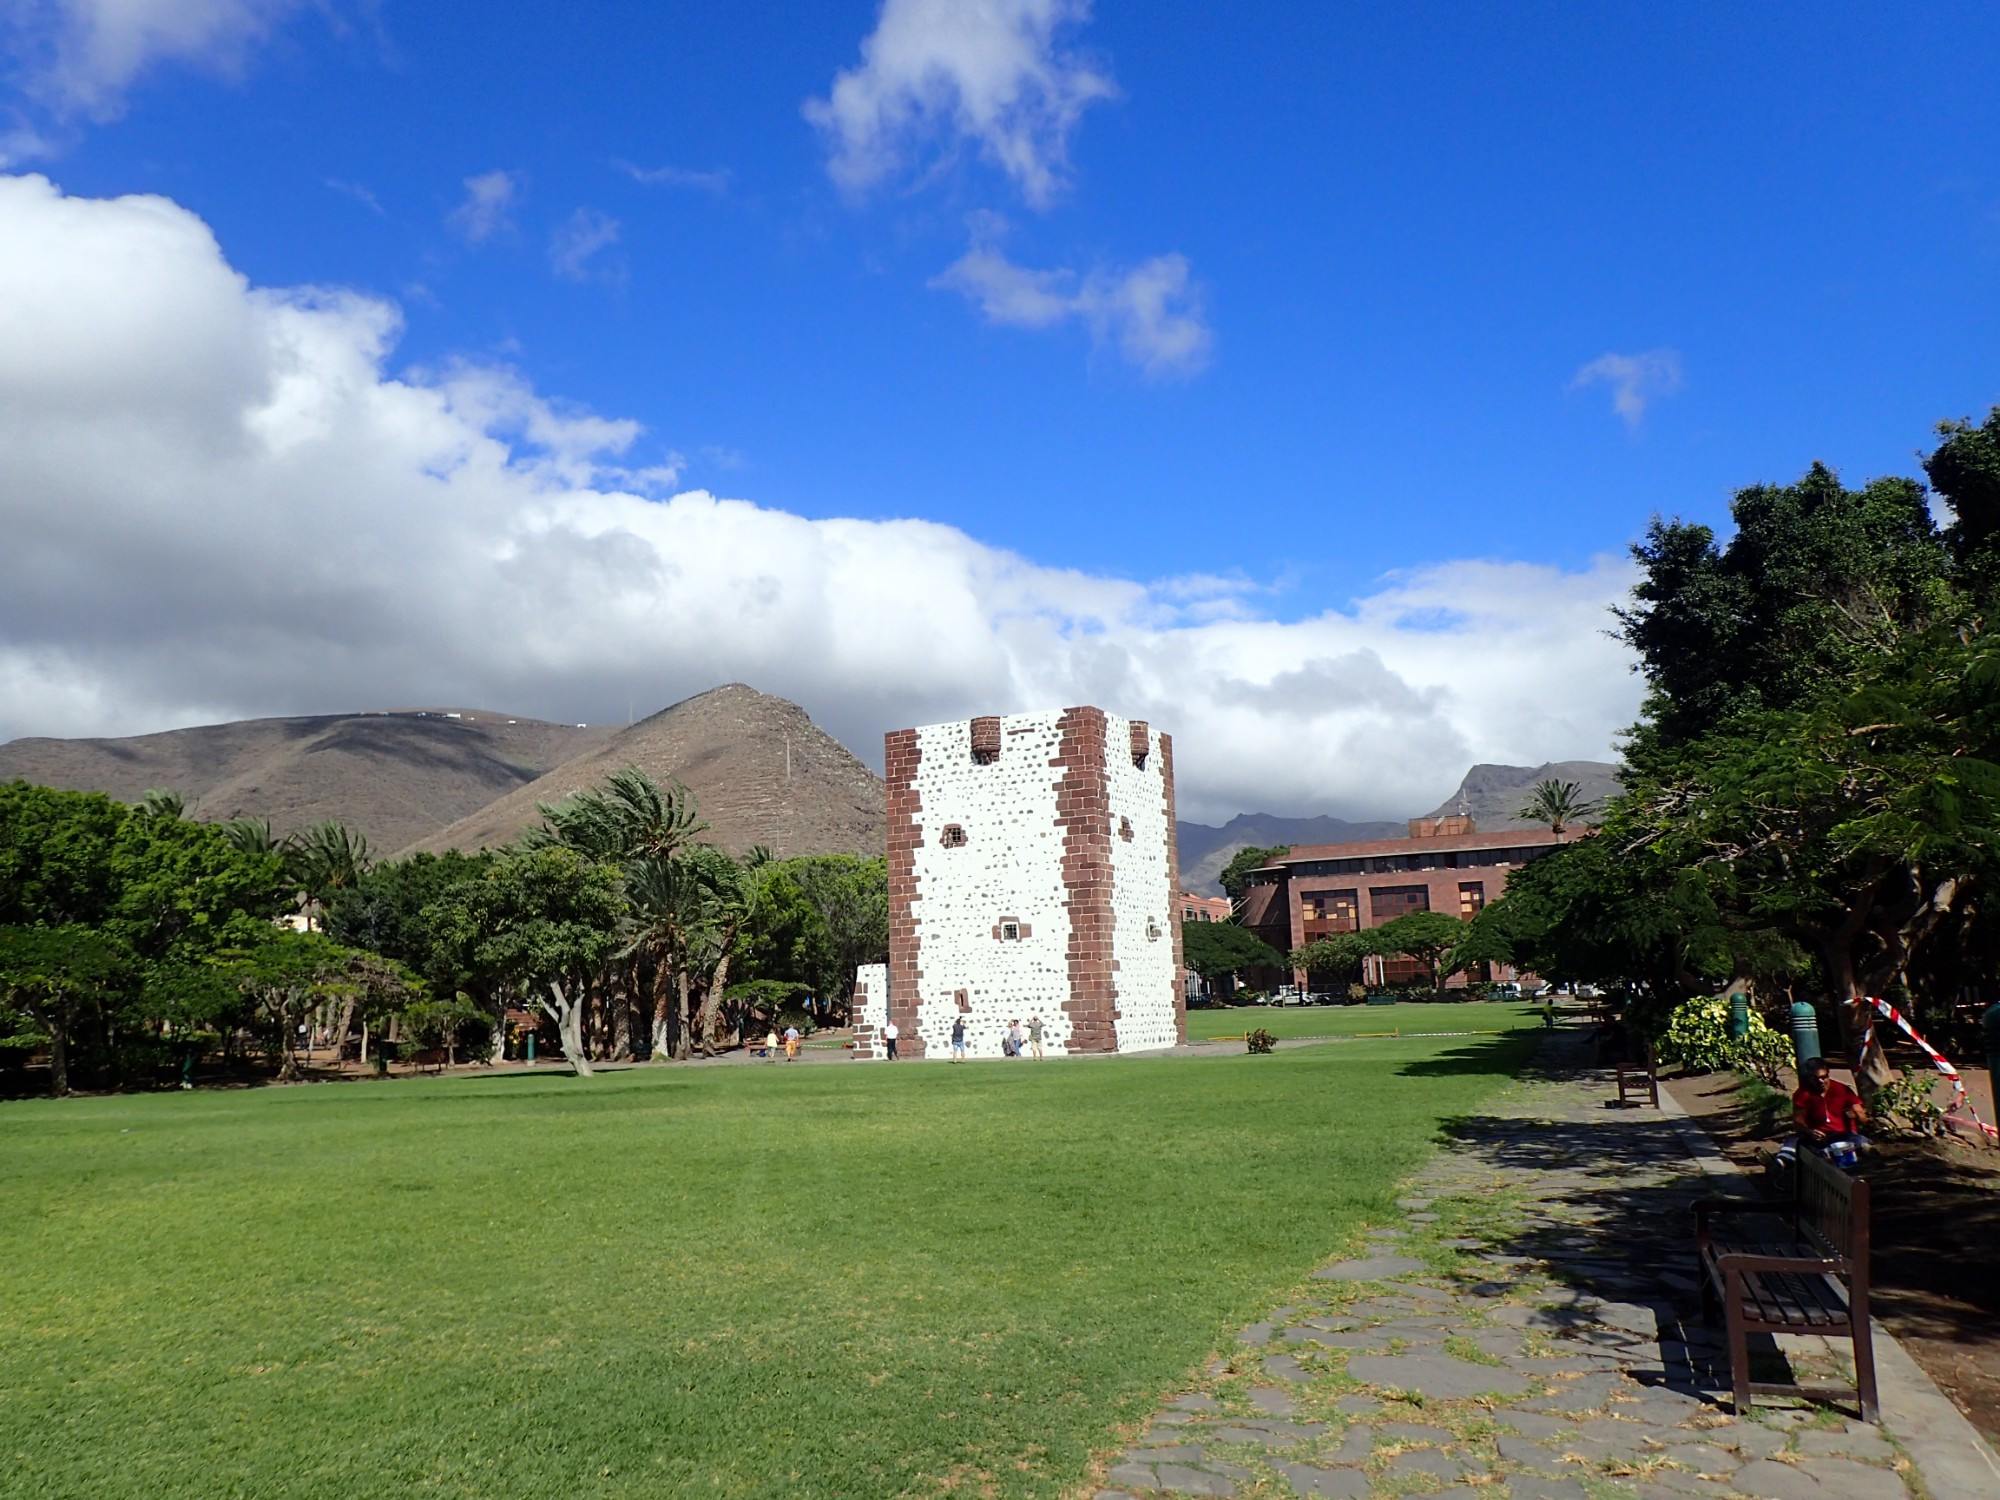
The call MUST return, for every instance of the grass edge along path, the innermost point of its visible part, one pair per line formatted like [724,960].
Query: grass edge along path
[812,1281]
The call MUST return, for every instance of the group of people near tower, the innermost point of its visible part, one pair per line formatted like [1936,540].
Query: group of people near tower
[1014,1041]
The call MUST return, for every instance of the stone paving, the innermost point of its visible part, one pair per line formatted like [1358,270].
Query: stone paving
[1528,1331]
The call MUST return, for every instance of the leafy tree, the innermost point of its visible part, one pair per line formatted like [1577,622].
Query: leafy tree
[544,919]
[183,889]
[291,976]
[50,974]
[1235,876]
[1859,824]
[1818,581]
[1558,804]
[1965,472]
[1336,959]
[1429,937]
[1217,951]
[55,855]
[386,912]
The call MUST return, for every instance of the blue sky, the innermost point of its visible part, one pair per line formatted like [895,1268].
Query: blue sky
[1297,301]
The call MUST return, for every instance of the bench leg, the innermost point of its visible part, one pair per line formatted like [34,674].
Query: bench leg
[1739,1342]
[1864,1370]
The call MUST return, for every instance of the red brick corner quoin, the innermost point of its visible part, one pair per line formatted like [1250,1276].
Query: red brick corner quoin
[1083,797]
[901,757]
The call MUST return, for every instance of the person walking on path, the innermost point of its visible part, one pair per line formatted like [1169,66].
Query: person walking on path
[771,1045]
[889,1035]
[1035,1037]
[1014,1039]
[791,1044]
[958,1040]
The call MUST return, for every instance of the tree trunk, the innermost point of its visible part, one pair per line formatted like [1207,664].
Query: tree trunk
[568,1016]
[712,1003]
[1872,1071]
[662,1017]
[682,1047]
[336,1038]
[58,1054]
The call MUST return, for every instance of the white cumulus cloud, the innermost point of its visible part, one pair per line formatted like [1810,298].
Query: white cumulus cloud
[1152,312]
[577,242]
[488,206]
[939,74]
[220,500]
[1636,380]
[79,57]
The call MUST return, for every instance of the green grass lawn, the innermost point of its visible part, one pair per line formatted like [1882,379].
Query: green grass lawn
[1351,1020]
[833,1280]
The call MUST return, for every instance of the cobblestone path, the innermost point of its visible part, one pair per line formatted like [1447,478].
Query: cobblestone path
[1529,1331]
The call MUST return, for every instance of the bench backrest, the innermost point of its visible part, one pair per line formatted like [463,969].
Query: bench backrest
[1832,1208]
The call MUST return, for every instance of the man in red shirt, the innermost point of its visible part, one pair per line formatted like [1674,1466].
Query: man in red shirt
[1824,1108]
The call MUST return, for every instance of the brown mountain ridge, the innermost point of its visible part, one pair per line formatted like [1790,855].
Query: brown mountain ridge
[392,776]
[762,773]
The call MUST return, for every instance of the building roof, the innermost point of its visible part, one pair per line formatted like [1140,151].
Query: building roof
[1503,838]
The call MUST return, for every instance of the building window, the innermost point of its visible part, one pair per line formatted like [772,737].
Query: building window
[1339,911]
[1141,742]
[953,836]
[1471,897]
[1387,902]
[1010,929]
[1152,930]
[1125,829]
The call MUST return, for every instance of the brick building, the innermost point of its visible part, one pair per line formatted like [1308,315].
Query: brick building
[1446,864]
[1196,908]
[1032,870]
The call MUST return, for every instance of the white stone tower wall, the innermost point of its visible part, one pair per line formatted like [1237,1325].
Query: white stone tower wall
[1010,867]
[1142,893]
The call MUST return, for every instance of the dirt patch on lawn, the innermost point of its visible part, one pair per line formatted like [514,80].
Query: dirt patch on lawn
[1937,1242]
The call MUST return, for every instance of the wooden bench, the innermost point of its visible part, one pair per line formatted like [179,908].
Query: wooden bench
[1812,1277]
[1639,1077]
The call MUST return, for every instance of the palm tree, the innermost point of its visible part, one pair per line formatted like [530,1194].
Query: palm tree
[251,836]
[156,802]
[325,858]
[685,914]
[629,817]
[1558,804]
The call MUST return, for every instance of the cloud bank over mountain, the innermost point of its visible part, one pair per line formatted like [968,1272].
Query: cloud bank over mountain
[221,500]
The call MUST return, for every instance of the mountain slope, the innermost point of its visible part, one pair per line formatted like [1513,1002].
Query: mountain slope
[1494,794]
[762,773]
[392,776]
[1205,849]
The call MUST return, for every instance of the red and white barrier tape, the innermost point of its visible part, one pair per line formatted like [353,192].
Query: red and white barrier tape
[1938,1060]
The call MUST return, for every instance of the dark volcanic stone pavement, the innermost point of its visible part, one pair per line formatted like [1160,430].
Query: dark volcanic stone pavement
[1533,1335]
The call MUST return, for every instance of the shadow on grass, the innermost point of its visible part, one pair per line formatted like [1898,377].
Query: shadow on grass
[1504,1053]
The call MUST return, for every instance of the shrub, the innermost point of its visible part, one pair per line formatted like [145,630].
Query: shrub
[1697,1037]
[1261,1040]
[1909,1104]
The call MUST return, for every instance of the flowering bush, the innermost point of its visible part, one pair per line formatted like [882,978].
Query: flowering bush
[1261,1040]
[1697,1037]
